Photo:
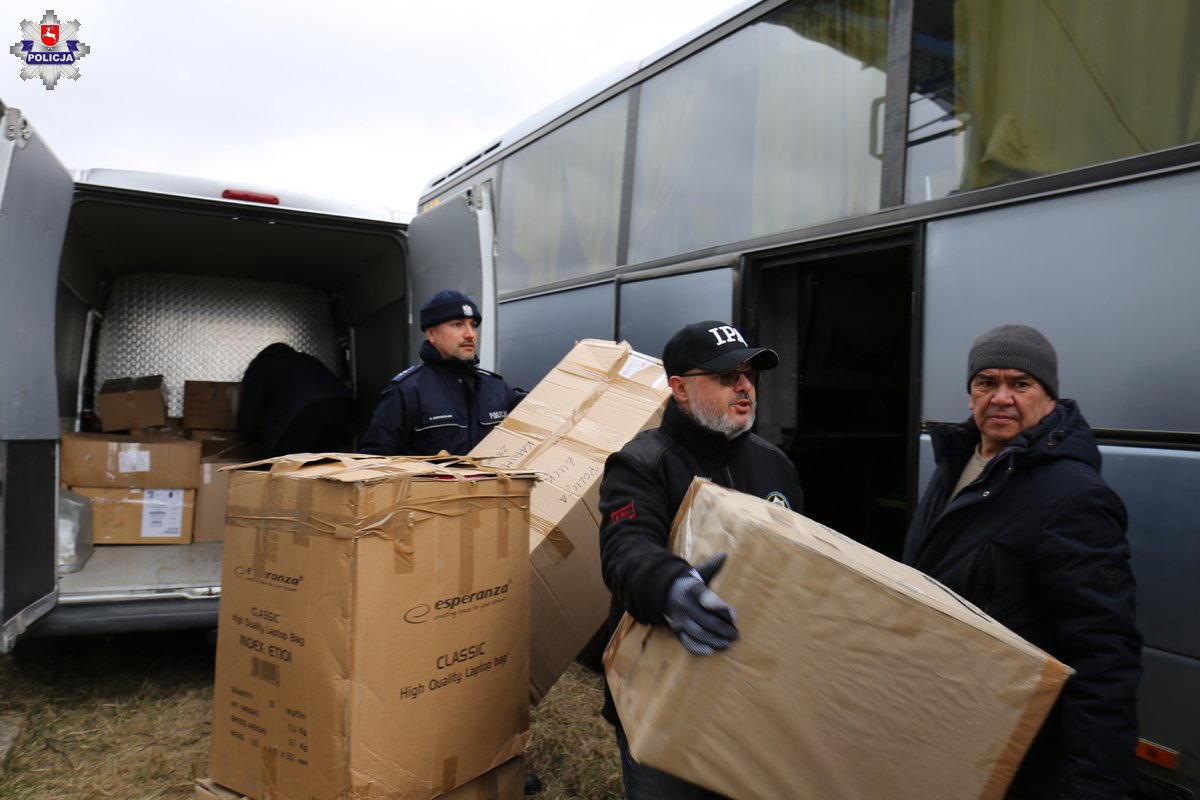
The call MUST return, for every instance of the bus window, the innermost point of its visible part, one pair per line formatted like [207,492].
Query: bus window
[652,310]
[765,131]
[560,199]
[536,332]
[1004,91]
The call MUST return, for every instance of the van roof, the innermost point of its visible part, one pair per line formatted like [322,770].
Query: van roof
[234,193]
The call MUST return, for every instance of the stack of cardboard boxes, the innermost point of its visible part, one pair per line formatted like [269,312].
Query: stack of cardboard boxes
[596,399]
[158,481]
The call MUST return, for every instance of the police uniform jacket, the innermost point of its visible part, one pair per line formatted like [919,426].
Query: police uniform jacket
[643,486]
[439,404]
[1038,542]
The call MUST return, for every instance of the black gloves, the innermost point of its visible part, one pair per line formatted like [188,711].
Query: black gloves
[703,621]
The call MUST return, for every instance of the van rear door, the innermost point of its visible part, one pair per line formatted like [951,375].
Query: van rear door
[450,247]
[35,201]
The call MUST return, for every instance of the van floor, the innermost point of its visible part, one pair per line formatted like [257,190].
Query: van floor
[128,570]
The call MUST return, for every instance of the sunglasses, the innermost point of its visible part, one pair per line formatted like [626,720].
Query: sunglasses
[730,378]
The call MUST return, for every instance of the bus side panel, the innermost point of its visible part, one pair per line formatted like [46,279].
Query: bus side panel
[1109,275]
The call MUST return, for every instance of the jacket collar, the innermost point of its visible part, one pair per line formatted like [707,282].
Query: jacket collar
[1063,433]
[695,437]
[432,358]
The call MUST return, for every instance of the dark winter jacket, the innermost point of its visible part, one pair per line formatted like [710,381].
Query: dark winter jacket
[644,485]
[1038,542]
[439,404]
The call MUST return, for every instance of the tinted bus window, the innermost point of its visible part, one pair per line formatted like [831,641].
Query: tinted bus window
[535,333]
[1004,91]
[765,131]
[560,200]
[654,309]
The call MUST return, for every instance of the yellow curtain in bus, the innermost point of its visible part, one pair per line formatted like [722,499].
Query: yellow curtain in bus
[1052,85]
[821,69]
[593,163]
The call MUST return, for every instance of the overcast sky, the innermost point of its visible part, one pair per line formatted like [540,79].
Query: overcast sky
[356,99]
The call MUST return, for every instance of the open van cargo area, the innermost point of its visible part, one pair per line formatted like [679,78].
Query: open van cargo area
[192,289]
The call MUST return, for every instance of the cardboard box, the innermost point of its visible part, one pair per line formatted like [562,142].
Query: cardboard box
[126,403]
[211,499]
[600,396]
[374,628]
[852,673]
[505,782]
[211,405]
[172,430]
[114,461]
[140,516]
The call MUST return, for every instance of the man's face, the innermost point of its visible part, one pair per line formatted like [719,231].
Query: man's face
[1005,402]
[724,402]
[455,338]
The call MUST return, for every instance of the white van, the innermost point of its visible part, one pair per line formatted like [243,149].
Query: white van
[112,274]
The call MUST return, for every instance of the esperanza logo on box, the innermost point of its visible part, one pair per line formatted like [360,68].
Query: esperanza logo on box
[51,50]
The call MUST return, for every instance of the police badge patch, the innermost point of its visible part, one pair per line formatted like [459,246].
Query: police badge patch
[778,499]
[50,50]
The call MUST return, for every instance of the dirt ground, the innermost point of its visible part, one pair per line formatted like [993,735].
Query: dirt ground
[129,717]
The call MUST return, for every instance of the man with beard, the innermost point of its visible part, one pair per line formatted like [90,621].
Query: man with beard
[446,402]
[705,432]
[1018,520]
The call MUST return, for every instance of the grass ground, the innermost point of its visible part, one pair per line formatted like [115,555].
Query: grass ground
[129,718]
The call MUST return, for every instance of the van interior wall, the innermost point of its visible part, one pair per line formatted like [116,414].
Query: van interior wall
[838,402]
[194,292]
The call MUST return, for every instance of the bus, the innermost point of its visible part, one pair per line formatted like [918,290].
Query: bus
[866,186]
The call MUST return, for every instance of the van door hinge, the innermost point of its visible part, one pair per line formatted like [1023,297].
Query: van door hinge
[16,127]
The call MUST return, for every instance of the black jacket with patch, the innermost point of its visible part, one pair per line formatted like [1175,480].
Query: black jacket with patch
[642,488]
[439,404]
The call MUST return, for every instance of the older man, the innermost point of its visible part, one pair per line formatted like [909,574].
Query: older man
[705,431]
[1018,520]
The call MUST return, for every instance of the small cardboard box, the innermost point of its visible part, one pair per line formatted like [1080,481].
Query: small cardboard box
[505,782]
[211,405]
[852,672]
[211,499]
[596,399]
[127,403]
[114,461]
[374,627]
[140,516]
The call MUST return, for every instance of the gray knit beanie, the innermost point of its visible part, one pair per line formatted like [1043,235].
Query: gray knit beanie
[1015,347]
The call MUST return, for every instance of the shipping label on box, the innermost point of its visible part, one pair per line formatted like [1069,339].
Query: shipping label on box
[140,516]
[114,461]
[596,399]
[127,403]
[210,405]
[852,672]
[374,627]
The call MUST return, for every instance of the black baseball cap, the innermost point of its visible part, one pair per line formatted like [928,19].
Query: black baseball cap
[713,346]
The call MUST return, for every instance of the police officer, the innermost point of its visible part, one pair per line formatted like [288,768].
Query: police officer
[446,402]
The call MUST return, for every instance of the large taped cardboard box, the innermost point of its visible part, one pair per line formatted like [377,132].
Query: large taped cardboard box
[124,462]
[126,403]
[140,516]
[373,635]
[505,782]
[596,399]
[854,675]
[210,405]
